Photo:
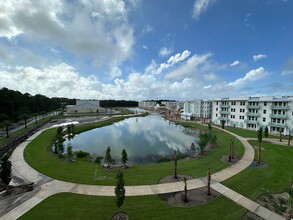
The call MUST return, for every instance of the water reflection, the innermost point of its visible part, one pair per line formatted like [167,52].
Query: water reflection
[144,138]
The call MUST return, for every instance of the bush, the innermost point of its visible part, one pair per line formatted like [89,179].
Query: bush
[81,154]
[163,159]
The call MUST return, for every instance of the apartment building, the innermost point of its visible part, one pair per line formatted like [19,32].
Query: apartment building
[198,108]
[255,112]
[147,104]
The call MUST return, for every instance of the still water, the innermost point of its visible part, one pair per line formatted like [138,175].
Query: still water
[144,138]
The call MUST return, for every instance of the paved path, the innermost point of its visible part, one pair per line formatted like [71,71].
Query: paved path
[52,186]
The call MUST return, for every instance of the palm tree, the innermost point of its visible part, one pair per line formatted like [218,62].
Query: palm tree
[209,182]
[24,117]
[175,164]
[259,137]
[185,190]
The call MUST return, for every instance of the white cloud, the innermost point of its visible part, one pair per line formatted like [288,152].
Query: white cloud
[145,47]
[252,75]
[164,51]
[288,68]
[210,77]
[207,87]
[147,29]
[259,56]
[98,30]
[199,7]
[189,67]
[235,63]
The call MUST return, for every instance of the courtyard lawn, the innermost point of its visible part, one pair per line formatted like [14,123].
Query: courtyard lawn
[74,206]
[38,156]
[248,133]
[276,177]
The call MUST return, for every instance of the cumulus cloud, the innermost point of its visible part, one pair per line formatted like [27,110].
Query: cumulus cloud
[98,30]
[199,7]
[189,67]
[235,63]
[252,75]
[164,51]
[259,56]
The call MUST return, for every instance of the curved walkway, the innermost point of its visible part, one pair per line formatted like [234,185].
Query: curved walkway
[51,186]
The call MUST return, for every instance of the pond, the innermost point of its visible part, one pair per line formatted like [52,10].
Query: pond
[145,139]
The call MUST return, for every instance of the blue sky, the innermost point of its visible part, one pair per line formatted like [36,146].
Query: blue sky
[147,49]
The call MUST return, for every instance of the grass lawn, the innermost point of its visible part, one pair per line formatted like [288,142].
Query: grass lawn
[276,177]
[248,133]
[37,156]
[74,206]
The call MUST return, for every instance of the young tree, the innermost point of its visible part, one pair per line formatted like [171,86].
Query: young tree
[213,140]
[69,152]
[35,115]
[43,114]
[281,136]
[266,132]
[289,138]
[223,124]
[192,147]
[185,200]
[23,117]
[119,189]
[175,164]
[209,183]
[5,170]
[232,149]
[210,127]
[259,137]
[108,156]
[124,157]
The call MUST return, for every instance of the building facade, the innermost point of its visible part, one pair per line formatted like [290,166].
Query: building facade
[199,108]
[255,112]
[85,106]
[147,104]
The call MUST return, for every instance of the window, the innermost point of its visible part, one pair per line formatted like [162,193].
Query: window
[264,111]
[216,115]
[264,119]
[216,109]
[217,103]
[265,103]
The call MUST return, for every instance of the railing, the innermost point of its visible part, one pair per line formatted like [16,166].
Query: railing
[224,112]
[251,122]
[279,116]
[224,105]
[252,114]
[253,106]
[279,125]
[278,107]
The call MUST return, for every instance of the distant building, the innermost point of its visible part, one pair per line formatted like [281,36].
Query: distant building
[147,104]
[255,112]
[199,108]
[172,105]
[85,106]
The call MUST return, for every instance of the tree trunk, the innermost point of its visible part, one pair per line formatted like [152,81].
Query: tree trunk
[289,138]
[25,123]
[209,183]
[230,153]
[280,136]
[259,153]
[175,168]
[7,131]
[185,193]
[232,149]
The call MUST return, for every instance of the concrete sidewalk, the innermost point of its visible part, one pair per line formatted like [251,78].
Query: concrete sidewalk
[56,186]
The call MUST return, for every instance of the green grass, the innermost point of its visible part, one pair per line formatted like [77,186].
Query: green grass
[74,206]
[12,135]
[247,133]
[276,177]
[38,157]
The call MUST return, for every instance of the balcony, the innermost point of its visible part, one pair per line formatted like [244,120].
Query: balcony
[279,125]
[278,107]
[224,112]
[224,105]
[252,114]
[253,106]
[279,116]
[251,122]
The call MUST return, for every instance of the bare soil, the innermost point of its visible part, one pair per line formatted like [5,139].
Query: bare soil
[195,196]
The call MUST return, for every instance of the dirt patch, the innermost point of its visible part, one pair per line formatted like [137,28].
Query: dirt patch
[120,216]
[277,203]
[255,164]
[225,159]
[195,196]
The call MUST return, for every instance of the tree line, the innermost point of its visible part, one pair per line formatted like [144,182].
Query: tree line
[14,104]
[118,103]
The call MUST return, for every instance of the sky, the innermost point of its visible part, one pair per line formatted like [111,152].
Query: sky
[147,49]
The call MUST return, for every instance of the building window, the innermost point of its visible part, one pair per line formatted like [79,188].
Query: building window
[264,119]
[265,103]
[264,111]
[216,109]
[216,115]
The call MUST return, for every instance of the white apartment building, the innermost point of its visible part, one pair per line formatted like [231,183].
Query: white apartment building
[174,105]
[199,108]
[255,112]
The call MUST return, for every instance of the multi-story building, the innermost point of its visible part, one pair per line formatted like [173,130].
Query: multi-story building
[147,104]
[198,108]
[255,112]
[174,105]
